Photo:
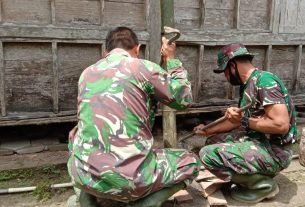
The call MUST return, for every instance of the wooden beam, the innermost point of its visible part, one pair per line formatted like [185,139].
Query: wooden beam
[2,81]
[271,14]
[197,75]
[102,3]
[237,15]
[1,12]
[85,33]
[267,58]
[277,16]
[53,12]
[202,13]
[297,69]
[153,16]
[55,93]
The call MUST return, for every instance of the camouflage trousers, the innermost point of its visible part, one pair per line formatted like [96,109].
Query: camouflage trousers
[236,153]
[161,168]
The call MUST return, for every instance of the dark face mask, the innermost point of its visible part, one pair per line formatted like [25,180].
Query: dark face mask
[234,78]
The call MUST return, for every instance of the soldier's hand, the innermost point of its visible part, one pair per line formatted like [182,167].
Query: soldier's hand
[232,115]
[167,51]
[198,130]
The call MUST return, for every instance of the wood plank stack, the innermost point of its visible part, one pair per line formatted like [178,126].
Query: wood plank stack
[211,188]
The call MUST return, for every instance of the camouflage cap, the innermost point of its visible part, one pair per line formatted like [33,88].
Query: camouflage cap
[229,52]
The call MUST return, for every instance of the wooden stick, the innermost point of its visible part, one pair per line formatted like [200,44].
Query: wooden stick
[215,122]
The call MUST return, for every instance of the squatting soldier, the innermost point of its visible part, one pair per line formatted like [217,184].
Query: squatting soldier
[111,148]
[249,148]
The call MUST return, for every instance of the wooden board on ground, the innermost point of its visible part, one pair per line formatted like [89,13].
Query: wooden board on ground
[204,175]
[181,196]
[209,187]
[217,199]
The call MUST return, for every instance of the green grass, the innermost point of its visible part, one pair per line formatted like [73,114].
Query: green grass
[42,178]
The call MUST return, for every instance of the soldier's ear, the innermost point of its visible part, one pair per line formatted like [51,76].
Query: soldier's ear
[138,50]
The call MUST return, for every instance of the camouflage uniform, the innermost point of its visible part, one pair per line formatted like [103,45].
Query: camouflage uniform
[111,148]
[251,152]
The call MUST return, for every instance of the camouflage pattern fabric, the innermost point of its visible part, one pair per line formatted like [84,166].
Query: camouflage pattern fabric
[253,152]
[111,147]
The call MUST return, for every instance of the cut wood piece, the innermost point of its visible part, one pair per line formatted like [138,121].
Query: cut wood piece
[181,196]
[204,175]
[209,187]
[217,199]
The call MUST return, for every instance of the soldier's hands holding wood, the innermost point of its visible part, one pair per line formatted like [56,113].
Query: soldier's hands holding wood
[199,130]
[168,51]
[233,115]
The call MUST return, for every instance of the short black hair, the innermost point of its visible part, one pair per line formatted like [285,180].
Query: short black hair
[121,37]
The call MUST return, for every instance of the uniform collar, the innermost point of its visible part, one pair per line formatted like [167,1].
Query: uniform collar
[119,51]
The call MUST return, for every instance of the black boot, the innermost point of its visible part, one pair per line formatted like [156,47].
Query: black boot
[157,198]
[87,200]
[253,188]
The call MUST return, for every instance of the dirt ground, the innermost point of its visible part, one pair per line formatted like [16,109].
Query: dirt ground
[291,182]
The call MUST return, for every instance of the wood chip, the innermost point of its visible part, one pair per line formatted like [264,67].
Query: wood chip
[204,175]
[181,196]
[217,199]
[209,187]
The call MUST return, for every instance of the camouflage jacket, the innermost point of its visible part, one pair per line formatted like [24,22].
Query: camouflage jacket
[116,112]
[266,88]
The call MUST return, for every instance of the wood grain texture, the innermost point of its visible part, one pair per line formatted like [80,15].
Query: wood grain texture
[36,12]
[72,60]
[28,77]
[78,12]
[282,64]
[2,83]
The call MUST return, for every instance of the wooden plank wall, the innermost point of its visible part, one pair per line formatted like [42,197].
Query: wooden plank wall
[46,44]
[260,25]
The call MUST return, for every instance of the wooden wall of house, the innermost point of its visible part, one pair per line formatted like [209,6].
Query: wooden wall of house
[46,44]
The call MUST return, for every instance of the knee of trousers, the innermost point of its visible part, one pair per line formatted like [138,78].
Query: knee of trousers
[207,154]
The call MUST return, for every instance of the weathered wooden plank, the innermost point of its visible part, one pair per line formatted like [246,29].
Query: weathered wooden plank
[60,33]
[219,19]
[28,76]
[133,14]
[154,28]
[187,17]
[78,12]
[53,16]
[55,77]
[72,60]
[102,11]
[217,199]
[187,3]
[297,71]
[212,85]
[267,58]
[283,63]
[276,16]
[197,74]
[2,85]
[26,11]
[220,4]
[202,13]
[259,59]
[236,20]
[1,11]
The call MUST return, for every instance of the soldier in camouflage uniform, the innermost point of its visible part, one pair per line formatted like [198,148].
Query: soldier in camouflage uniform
[112,154]
[249,148]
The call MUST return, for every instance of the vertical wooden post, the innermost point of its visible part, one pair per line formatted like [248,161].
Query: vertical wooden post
[197,77]
[102,2]
[276,16]
[169,114]
[202,13]
[2,85]
[1,11]
[297,69]
[55,78]
[153,17]
[53,16]
[237,15]
[268,58]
